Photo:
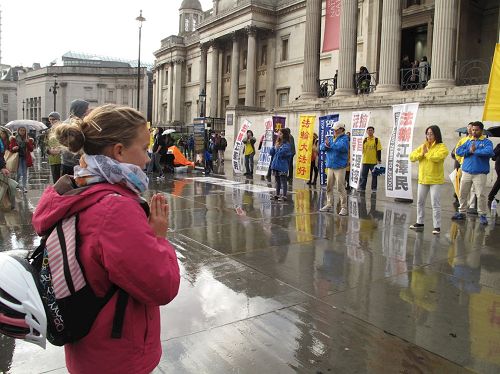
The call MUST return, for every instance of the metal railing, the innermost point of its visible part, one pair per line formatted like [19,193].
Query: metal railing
[327,87]
[415,78]
[470,72]
[365,83]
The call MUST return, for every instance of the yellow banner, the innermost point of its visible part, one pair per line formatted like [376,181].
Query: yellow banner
[304,147]
[492,105]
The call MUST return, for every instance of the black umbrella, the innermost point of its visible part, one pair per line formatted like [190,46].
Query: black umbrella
[494,131]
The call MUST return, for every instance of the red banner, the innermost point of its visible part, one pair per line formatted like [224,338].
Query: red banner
[331,39]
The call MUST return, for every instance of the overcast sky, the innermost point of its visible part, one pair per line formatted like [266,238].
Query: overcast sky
[43,30]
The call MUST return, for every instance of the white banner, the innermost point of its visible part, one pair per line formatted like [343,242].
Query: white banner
[264,156]
[398,172]
[239,147]
[359,123]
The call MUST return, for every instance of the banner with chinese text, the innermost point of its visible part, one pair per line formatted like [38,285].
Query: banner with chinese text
[331,37]
[267,144]
[398,172]
[304,148]
[325,129]
[238,147]
[278,123]
[359,123]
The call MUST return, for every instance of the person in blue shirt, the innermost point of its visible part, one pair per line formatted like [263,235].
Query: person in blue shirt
[476,152]
[281,154]
[337,150]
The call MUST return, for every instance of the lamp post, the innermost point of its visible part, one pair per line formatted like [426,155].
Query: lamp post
[202,99]
[24,102]
[139,19]
[53,89]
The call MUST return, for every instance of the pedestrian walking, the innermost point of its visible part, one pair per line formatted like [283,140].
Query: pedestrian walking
[372,155]
[281,153]
[430,156]
[23,146]
[314,161]
[77,110]
[337,150]
[120,244]
[221,147]
[476,152]
[496,186]
[249,142]
[53,147]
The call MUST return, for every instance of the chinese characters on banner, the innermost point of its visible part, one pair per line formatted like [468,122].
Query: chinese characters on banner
[238,147]
[267,144]
[304,149]
[278,123]
[325,129]
[359,124]
[398,174]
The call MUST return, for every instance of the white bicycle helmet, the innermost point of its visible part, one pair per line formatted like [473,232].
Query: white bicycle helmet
[22,315]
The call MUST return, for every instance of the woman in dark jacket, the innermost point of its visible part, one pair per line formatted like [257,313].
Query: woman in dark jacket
[281,153]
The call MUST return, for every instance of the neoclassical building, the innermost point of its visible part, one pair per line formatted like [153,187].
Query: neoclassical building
[255,58]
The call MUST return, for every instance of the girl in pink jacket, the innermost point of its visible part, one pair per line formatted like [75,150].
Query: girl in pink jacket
[118,243]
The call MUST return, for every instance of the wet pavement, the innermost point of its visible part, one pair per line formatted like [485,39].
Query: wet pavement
[277,287]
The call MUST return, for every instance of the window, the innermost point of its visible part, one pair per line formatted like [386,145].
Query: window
[228,64]
[5,116]
[360,23]
[125,96]
[188,78]
[165,77]
[244,61]
[283,97]
[263,55]
[186,24]
[111,96]
[284,49]
[5,98]
[262,100]
[194,23]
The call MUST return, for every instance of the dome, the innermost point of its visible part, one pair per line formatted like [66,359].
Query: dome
[191,4]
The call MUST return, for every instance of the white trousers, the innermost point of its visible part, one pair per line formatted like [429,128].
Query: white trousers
[336,177]
[478,181]
[423,191]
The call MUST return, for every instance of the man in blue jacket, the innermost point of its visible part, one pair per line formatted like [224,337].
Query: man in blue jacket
[476,152]
[337,150]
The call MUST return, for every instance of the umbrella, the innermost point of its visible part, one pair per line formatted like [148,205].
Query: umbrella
[27,123]
[168,131]
[461,130]
[6,129]
[494,131]
[488,133]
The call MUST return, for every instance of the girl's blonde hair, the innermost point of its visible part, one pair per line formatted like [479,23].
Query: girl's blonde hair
[104,126]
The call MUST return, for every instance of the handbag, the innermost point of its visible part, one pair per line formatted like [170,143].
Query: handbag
[11,161]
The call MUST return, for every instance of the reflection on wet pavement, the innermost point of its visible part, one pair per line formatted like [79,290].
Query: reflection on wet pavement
[277,287]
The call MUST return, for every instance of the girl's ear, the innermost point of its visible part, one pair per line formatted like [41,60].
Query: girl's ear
[117,152]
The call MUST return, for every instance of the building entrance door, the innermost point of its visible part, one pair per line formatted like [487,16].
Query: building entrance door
[414,43]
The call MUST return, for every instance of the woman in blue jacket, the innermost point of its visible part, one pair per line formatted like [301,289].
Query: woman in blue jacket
[281,154]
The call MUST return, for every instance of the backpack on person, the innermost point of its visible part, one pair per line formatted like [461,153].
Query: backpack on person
[376,142]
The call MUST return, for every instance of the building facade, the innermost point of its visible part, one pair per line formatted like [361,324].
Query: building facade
[8,94]
[255,58]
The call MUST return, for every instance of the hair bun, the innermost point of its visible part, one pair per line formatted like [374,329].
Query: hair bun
[71,136]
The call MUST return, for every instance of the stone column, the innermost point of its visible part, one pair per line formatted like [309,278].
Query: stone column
[170,93]
[270,79]
[310,81]
[214,80]
[251,67]
[444,43]
[177,91]
[220,86]
[348,47]
[203,68]
[390,46]
[235,71]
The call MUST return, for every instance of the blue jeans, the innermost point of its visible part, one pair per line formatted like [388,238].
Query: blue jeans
[22,172]
[281,183]
[249,163]
[364,177]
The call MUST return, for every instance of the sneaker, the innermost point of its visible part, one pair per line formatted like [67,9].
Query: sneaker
[343,212]
[282,198]
[458,216]
[483,220]
[326,208]
[436,231]
[417,226]
[275,197]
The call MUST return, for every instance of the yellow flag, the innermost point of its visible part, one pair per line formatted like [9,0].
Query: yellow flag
[304,148]
[492,105]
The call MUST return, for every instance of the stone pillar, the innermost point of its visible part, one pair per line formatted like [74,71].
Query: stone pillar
[235,71]
[170,93]
[214,80]
[390,47]
[251,67]
[348,47]
[203,68]
[310,82]
[177,91]
[220,94]
[444,44]
[270,79]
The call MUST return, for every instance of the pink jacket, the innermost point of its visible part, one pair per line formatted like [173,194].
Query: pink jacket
[117,247]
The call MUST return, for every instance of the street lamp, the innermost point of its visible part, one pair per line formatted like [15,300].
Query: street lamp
[202,99]
[24,102]
[139,19]
[53,89]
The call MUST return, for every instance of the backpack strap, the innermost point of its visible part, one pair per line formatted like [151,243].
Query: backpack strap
[121,305]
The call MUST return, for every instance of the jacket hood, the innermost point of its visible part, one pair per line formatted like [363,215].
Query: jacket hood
[64,200]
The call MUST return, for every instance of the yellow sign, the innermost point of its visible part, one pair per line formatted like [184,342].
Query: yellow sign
[304,149]
[492,105]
